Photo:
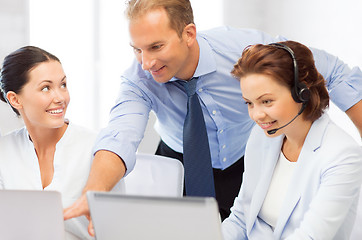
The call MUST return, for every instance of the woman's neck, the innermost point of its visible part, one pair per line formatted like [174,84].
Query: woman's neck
[45,141]
[294,139]
[45,138]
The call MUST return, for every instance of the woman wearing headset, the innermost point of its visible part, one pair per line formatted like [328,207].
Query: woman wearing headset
[302,172]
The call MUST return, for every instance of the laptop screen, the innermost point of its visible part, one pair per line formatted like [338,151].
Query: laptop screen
[28,214]
[118,216]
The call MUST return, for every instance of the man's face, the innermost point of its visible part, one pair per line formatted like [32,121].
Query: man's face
[158,47]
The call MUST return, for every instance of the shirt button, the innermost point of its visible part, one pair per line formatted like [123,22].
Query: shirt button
[200,90]
[224,160]
[223,146]
[214,112]
[221,131]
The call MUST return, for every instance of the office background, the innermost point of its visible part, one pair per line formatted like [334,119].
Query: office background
[91,39]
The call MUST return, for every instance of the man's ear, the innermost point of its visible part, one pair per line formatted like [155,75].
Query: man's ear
[190,34]
[14,100]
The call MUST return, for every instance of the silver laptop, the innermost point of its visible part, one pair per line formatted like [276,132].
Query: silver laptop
[27,214]
[128,217]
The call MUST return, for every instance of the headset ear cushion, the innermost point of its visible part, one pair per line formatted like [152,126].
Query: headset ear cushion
[304,94]
[301,93]
[295,95]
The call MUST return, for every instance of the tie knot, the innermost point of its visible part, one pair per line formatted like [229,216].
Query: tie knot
[190,86]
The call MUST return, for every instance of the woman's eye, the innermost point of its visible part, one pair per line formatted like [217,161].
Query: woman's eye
[45,89]
[64,85]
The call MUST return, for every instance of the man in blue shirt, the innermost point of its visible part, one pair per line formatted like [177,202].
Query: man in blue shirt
[168,49]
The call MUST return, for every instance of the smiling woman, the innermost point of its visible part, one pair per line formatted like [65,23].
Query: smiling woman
[50,151]
[302,173]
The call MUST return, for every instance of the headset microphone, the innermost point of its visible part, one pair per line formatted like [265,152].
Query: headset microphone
[271,132]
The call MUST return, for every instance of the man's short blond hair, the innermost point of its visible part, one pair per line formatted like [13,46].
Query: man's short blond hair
[179,12]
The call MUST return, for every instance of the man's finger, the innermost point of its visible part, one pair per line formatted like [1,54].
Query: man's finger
[78,208]
[90,228]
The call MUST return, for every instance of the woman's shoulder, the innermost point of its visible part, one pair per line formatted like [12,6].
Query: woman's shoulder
[15,135]
[77,137]
[334,134]
[336,142]
[15,141]
[79,131]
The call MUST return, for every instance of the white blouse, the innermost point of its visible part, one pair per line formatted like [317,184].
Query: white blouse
[279,184]
[19,166]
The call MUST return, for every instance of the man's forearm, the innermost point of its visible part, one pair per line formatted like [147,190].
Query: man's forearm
[107,169]
[355,114]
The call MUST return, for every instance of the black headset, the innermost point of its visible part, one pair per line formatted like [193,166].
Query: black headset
[300,91]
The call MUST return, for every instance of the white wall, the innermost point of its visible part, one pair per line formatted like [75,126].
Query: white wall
[332,25]
[68,29]
[14,31]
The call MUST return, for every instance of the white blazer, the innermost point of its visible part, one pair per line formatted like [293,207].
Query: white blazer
[322,197]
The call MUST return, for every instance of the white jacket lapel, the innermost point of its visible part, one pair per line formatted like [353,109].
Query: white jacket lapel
[270,159]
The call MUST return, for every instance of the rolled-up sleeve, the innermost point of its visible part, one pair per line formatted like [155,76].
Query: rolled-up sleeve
[128,120]
[344,84]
